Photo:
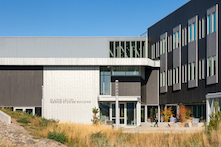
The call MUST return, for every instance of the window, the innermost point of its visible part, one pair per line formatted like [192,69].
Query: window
[202,28]
[176,40]
[170,77]
[117,49]
[194,70]
[214,65]
[162,79]
[190,72]
[192,32]
[111,49]
[211,23]
[209,67]
[122,49]
[201,69]
[129,70]
[105,78]
[153,51]
[138,49]
[176,75]
[143,49]
[133,48]
[184,73]
[128,49]
[163,46]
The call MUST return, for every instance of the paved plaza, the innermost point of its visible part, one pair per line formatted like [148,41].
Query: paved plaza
[163,128]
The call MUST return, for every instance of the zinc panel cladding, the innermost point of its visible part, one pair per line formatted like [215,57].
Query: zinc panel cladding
[21,86]
[58,47]
[181,16]
[70,93]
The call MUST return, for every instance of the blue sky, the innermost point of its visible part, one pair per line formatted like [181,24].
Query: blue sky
[82,17]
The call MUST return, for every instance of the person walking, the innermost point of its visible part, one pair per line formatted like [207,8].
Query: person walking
[156,120]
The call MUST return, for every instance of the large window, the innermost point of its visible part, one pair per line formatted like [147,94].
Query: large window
[211,23]
[127,49]
[105,79]
[122,70]
[192,32]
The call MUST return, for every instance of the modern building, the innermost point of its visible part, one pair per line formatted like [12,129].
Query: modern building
[187,44]
[64,78]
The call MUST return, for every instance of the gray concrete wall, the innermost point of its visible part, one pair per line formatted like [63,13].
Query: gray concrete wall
[59,47]
[5,117]
[21,86]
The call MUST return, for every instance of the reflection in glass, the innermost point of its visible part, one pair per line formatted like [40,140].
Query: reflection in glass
[133,48]
[104,111]
[143,49]
[138,49]
[117,49]
[131,114]
[105,77]
[128,49]
[122,49]
[111,51]
[113,110]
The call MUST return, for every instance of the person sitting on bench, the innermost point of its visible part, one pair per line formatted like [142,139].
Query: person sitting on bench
[171,120]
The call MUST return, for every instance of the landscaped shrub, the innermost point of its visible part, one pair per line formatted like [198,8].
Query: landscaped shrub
[95,119]
[215,119]
[24,120]
[167,112]
[99,139]
[45,122]
[184,113]
[56,135]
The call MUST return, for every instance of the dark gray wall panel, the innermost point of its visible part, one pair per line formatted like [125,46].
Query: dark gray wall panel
[21,86]
[211,44]
[181,16]
[128,85]
[150,87]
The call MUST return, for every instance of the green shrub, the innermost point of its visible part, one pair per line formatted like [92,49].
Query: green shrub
[215,120]
[24,120]
[55,135]
[99,139]
[45,122]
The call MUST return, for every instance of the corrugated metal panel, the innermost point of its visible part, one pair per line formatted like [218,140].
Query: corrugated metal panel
[70,93]
[58,47]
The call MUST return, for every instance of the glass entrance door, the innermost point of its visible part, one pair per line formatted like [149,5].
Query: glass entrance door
[122,113]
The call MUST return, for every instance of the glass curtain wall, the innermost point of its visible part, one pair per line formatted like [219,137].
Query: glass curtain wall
[105,80]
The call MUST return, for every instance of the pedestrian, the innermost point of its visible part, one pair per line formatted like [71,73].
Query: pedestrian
[156,120]
[171,120]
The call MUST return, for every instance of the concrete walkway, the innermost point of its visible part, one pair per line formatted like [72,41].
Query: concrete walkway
[163,128]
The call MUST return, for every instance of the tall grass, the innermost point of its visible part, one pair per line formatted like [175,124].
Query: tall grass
[101,135]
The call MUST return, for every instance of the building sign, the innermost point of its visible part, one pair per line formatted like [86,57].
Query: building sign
[68,101]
